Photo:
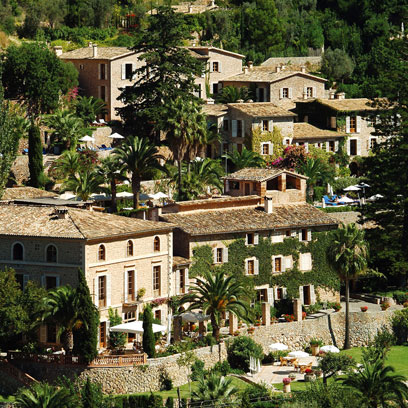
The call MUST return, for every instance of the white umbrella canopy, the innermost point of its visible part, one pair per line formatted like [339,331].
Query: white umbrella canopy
[352,188]
[116,136]
[345,200]
[329,349]
[124,194]
[375,197]
[278,347]
[362,185]
[194,317]
[298,354]
[136,327]
[67,196]
[87,139]
[158,196]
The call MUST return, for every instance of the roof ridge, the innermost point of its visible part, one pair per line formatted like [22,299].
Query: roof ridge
[74,223]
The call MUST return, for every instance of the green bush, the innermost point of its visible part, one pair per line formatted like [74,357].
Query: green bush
[399,324]
[197,370]
[319,192]
[342,208]
[240,350]
[223,368]
[170,402]
[274,356]
[400,297]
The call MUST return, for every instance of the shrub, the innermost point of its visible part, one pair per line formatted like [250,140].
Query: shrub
[274,356]
[197,370]
[148,336]
[316,342]
[223,368]
[332,363]
[400,297]
[116,340]
[170,402]
[166,384]
[240,350]
[399,324]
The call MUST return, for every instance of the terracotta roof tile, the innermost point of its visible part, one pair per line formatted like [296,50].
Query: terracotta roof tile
[249,219]
[103,53]
[307,131]
[261,109]
[214,109]
[26,192]
[259,174]
[348,105]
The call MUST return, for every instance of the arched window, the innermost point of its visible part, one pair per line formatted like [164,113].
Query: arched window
[129,249]
[51,253]
[18,252]
[156,244]
[101,253]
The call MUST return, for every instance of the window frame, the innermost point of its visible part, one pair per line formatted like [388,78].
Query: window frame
[129,248]
[156,283]
[101,252]
[285,93]
[156,244]
[102,300]
[22,251]
[219,255]
[47,248]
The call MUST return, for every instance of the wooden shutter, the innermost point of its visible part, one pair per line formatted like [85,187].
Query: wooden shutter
[347,124]
[177,283]
[219,66]
[43,281]
[255,125]
[123,71]
[309,234]
[301,294]
[134,75]
[43,333]
[312,294]
[246,266]
[256,267]
[126,282]
[284,293]
[283,264]
[242,128]
[358,147]
[314,92]
[234,127]
[294,233]
[211,66]
[270,293]
[108,290]
[186,280]
[348,142]
[290,93]
[358,124]
[58,281]
[257,94]
[215,255]
[96,291]
[280,93]
[26,278]
[305,90]
[270,148]
[99,70]
[256,239]
[225,255]
[288,262]
[336,146]
[270,125]
[307,147]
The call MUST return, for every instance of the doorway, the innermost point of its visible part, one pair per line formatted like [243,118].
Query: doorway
[102,335]
[306,295]
[247,189]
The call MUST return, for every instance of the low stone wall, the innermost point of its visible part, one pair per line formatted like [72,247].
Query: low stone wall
[296,335]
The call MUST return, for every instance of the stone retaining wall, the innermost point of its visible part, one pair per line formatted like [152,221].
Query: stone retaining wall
[296,335]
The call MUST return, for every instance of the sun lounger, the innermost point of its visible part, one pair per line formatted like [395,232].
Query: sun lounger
[327,200]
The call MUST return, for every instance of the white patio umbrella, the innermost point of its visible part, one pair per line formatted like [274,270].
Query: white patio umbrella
[158,196]
[194,317]
[116,136]
[363,185]
[136,327]
[124,194]
[352,188]
[375,197]
[345,199]
[67,196]
[87,139]
[298,354]
[278,347]
[329,349]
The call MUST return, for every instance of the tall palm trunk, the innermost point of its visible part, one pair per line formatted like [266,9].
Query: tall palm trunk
[135,191]
[216,328]
[114,207]
[180,189]
[347,329]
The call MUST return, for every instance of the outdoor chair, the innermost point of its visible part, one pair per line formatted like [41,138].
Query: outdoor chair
[327,200]
[305,367]
[283,362]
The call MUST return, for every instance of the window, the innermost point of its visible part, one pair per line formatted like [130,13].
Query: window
[226,125]
[261,95]
[37,247]
[305,261]
[285,92]
[288,233]
[156,280]
[216,66]
[129,249]
[156,244]
[277,264]
[353,124]
[102,334]
[279,293]
[262,295]
[250,239]
[81,66]
[265,149]
[333,122]
[332,145]
[50,282]
[251,267]
[51,333]
[51,253]
[304,234]
[234,185]
[265,125]
[102,71]
[239,128]
[373,142]
[101,253]
[286,142]
[128,71]
[219,252]
[353,147]
[131,285]
[157,314]
[182,281]
[215,89]
[18,252]
[199,91]
[103,93]
[102,291]
[309,92]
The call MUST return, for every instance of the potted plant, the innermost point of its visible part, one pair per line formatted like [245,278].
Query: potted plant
[286,384]
[385,306]
[240,325]
[337,307]
[251,330]
[289,318]
[304,314]
[364,308]
[236,333]
[257,322]
[315,345]
[318,372]
[292,376]
[309,375]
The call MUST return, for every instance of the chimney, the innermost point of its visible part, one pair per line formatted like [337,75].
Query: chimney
[340,95]
[250,64]
[278,68]
[303,69]
[61,213]
[332,94]
[268,205]
[245,70]
[57,50]
[94,50]
[90,44]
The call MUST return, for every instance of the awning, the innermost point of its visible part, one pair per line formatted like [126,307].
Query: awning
[136,327]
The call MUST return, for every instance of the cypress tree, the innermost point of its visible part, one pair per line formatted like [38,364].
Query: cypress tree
[148,336]
[35,157]
[91,395]
[86,337]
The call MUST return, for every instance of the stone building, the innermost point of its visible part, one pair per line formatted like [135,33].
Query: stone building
[103,71]
[119,256]
[262,231]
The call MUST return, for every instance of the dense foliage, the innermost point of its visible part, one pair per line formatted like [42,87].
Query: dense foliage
[240,351]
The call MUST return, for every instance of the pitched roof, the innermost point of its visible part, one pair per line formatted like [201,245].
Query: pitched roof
[348,105]
[304,130]
[257,174]
[215,49]
[249,219]
[261,109]
[268,74]
[26,192]
[103,53]
[35,221]
[292,62]
[214,109]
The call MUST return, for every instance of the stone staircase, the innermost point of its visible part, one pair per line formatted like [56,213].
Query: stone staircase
[11,378]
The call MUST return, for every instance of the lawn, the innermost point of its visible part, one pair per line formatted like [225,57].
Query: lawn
[4,398]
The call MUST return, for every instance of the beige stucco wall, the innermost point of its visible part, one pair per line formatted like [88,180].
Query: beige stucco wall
[363,137]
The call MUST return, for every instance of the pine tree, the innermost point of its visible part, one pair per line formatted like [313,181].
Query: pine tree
[35,157]
[86,337]
[148,336]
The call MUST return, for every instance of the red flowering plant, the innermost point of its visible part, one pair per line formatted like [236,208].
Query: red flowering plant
[158,302]
[304,314]
[364,308]
[289,318]
[286,381]
[308,371]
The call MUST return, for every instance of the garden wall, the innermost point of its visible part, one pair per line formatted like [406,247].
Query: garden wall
[118,380]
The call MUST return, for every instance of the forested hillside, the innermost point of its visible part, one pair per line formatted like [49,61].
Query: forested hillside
[352,32]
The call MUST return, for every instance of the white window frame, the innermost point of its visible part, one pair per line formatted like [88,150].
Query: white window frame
[270,148]
[255,236]
[282,258]
[256,265]
[308,235]
[126,281]
[301,266]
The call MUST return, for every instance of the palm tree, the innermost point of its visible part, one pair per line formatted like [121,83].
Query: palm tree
[43,395]
[348,254]
[66,127]
[60,307]
[247,158]
[138,157]
[84,183]
[232,94]
[377,386]
[89,108]
[111,172]
[67,165]
[215,295]
[314,170]
[215,390]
